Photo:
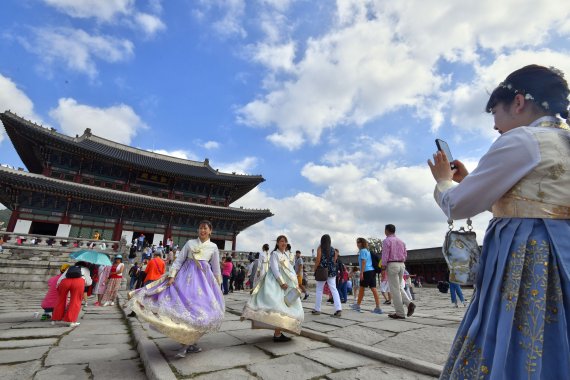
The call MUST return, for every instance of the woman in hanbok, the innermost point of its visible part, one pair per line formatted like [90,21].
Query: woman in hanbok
[262,265]
[517,325]
[187,303]
[267,307]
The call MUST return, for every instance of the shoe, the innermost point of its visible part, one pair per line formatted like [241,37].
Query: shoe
[132,314]
[387,302]
[182,352]
[315,312]
[377,311]
[456,305]
[74,324]
[330,301]
[464,304]
[193,349]
[281,338]
[107,303]
[356,307]
[411,309]
[337,314]
[343,301]
[396,316]
[112,303]
[96,303]
[306,296]
[45,317]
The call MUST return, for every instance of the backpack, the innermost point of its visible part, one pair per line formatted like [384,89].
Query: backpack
[376,262]
[73,272]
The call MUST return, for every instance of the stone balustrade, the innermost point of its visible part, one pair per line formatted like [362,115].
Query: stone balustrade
[13,240]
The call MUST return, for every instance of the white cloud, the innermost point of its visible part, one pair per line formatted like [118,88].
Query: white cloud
[211,145]
[150,24]
[14,99]
[468,99]
[230,22]
[275,57]
[118,123]
[326,175]
[77,49]
[102,10]
[244,166]
[114,11]
[348,209]
[379,57]
[179,153]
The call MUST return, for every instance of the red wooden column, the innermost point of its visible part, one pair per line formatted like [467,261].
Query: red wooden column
[13,220]
[234,241]
[118,226]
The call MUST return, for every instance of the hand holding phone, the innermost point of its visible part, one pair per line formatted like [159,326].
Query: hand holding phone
[443,147]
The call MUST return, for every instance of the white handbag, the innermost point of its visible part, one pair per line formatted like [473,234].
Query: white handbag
[462,253]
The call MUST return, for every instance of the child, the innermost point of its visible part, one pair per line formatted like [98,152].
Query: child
[50,300]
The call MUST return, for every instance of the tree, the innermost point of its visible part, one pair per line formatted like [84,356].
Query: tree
[375,245]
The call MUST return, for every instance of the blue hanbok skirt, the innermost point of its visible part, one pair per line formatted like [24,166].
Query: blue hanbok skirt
[517,326]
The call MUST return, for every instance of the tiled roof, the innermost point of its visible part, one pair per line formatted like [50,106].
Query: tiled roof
[16,127]
[19,179]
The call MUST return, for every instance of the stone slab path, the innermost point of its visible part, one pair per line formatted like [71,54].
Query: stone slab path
[101,347]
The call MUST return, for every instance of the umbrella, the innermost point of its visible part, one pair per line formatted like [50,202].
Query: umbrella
[93,257]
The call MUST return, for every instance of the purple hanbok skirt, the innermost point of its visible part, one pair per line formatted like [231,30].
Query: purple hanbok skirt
[184,311]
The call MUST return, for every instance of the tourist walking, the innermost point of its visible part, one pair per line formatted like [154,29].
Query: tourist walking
[300,271]
[385,287]
[516,325]
[342,282]
[327,258]
[267,307]
[253,270]
[102,277]
[113,282]
[394,255]
[188,303]
[355,277]
[263,264]
[155,268]
[133,274]
[50,300]
[227,269]
[71,283]
[367,276]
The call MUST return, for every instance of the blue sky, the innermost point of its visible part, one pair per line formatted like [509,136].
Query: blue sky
[336,104]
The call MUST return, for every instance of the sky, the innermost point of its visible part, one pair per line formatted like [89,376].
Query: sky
[336,103]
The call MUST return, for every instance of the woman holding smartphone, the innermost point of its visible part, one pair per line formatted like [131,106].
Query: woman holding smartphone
[518,323]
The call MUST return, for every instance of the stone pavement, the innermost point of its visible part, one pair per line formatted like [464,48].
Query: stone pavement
[357,345]
[101,347]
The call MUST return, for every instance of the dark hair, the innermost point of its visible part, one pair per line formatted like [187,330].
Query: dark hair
[297,251]
[363,242]
[206,222]
[265,247]
[277,241]
[257,254]
[82,264]
[228,259]
[391,228]
[546,87]
[288,246]
[325,244]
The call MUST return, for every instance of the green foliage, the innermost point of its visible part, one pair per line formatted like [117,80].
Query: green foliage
[375,245]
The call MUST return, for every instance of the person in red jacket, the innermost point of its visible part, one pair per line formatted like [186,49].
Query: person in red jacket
[155,268]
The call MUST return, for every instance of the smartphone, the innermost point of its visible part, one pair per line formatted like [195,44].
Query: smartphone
[443,147]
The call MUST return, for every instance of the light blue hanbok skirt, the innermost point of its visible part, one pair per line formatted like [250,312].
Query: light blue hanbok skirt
[517,326]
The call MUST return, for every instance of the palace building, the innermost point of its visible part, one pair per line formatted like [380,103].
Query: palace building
[76,186]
